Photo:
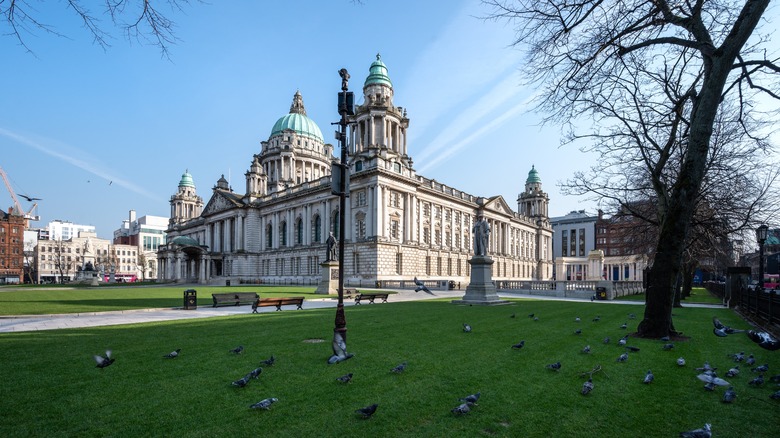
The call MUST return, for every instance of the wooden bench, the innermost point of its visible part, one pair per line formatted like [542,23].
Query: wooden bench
[370,297]
[350,292]
[234,298]
[278,302]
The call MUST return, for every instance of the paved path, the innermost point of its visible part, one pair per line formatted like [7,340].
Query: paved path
[26,323]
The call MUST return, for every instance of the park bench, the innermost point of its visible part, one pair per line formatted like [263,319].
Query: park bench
[278,302]
[350,292]
[234,298]
[370,297]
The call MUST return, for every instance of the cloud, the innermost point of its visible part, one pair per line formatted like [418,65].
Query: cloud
[70,156]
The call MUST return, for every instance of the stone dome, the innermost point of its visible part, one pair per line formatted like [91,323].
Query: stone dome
[297,121]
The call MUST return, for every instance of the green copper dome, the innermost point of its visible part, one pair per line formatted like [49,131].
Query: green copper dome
[297,121]
[185,241]
[533,176]
[186,180]
[377,73]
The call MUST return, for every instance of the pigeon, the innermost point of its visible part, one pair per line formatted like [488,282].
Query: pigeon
[631,316]
[421,286]
[461,409]
[536,318]
[649,377]
[597,319]
[471,398]
[577,319]
[237,350]
[399,369]
[704,432]
[466,328]
[173,354]
[531,315]
[710,386]
[104,361]
[712,379]
[554,366]
[632,348]
[733,371]
[750,360]
[622,341]
[758,381]
[729,396]
[368,411]
[624,326]
[586,350]
[519,345]
[706,367]
[606,340]
[739,357]
[724,328]
[775,378]
[512,315]
[681,361]
[255,372]
[775,395]
[761,368]
[578,332]
[242,382]
[764,340]
[719,332]
[264,403]
[268,362]
[587,387]
[665,339]
[345,378]
[668,347]
[623,357]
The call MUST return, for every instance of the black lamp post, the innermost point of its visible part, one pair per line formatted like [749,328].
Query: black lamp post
[761,234]
[341,188]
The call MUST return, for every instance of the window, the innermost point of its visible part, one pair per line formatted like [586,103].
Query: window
[582,242]
[573,243]
[399,263]
[360,198]
[317,229]
[427,265]
[394,227]
[564,242]
[397,167]
[299,232]
[426,235]
[268,236]
[356,262]
[358,166]
[360,227]
[336,225]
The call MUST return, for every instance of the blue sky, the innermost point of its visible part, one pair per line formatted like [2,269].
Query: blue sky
[97,133]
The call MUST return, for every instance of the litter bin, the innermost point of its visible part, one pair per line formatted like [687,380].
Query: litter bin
[452,285]
[190,299]
[601,293]
[227,282]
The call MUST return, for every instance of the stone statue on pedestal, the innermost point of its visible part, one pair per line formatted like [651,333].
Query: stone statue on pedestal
[481,232]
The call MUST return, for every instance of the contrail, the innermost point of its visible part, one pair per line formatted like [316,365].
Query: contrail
[96,170]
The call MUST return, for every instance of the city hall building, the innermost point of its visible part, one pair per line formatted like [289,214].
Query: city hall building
[398,224]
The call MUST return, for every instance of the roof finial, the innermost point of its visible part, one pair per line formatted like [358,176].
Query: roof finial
[297,104]
[378,57]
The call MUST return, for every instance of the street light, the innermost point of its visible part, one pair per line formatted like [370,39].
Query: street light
[761,233]
[340,187]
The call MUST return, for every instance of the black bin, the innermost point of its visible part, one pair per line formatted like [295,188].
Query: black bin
[601,293]
[190,299]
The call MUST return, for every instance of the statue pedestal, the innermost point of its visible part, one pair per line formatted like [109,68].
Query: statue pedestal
[329,285]
[481,290]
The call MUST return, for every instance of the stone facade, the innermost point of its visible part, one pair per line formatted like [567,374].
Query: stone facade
[12,228]
[398,224]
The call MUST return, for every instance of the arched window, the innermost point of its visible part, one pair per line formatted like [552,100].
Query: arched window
[269,236]
[283,234]
[299,232]
[317,229]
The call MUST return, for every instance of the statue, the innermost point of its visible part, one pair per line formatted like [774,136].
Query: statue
[331,248]
[344,79]
[88,246]
[481,232]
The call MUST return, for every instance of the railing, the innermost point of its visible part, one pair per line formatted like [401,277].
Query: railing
[760,304]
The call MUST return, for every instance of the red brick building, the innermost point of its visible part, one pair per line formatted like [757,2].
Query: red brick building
[11,247]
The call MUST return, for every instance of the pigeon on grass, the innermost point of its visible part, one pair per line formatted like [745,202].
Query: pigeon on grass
[264,403]
[668,347]
[471,398]
[255,372]
[554,366]
[729,396]
[103,361]
[724,328]
[764,340]
[173,354]
[587,387]
[368,411]
[775,395]
[345,378]
[623,357]
[399,368]
[237,350]
[242,382]
[420,286]
[466,328]
[268,362]
[711,378]
[586,350]
[681,361]
[761,368]
[704,432]
[463,408]
[758,381]
[519,345]
[733,371]
[649,377]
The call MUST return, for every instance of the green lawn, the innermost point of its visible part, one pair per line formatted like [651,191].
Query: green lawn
[45,300]
[699,295]
[52,387]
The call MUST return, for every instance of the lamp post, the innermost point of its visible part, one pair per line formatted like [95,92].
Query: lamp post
[761,233]
[341,188]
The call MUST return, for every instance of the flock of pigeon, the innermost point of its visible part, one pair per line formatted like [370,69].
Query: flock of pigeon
[707,373]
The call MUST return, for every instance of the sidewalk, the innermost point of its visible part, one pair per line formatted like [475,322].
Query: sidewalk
[27,323]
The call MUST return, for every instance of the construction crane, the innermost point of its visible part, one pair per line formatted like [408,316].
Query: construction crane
[27,215]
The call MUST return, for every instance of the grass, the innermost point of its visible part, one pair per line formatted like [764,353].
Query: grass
[52,387]
[45,300]
[699,295]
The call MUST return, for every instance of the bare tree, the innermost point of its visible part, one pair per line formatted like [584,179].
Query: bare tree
[62,260]
[146,21]
[141,262]
[651,73]
[30,261]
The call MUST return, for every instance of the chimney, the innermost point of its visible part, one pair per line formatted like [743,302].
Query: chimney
[132,216]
